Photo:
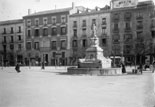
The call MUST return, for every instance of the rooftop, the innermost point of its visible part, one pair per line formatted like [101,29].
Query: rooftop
[92,11]
[53,11]
[11,22]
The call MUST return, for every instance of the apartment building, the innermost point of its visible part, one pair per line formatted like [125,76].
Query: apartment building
[80,31]
[130,30]
[47,36]
[12,41]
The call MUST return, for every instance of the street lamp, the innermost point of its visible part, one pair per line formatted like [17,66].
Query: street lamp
[2,62]
[43,63]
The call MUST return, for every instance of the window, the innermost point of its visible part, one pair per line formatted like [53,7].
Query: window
[139,15]
[28,45]
[115,26]
[63,30]
[36,32]
[11,46]
[127,49]
[37,22]
[28,23]
[74,43]
[127,25]
[11,30]
[127,37]
[29,33]
[116,38]
[75,24]
[63,19]
[5,39]
[84,43]
[103,30]
[12,39]
[84,23]
[139,34]
[19,37]
[54,45]
[103,21]
[53,20]
[63,54]
[93,21]
[54,31]
[4,47]
[36,45]
[63,44]
[116,16]
[45,21]
[83,32]
[45,32]
[19,47]
[127,16]
[4,31]
[139,24]
[116,49]
[19,29]
[104,42]
[75,32]
[54,54]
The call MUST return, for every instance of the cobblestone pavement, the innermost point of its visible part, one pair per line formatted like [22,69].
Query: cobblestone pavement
[47,88]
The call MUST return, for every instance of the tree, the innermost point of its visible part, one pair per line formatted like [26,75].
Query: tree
[142,46]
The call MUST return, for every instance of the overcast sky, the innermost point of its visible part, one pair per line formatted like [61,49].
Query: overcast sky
[15,9]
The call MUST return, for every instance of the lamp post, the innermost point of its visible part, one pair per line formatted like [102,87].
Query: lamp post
[2,62]
[43,63]
[29,55]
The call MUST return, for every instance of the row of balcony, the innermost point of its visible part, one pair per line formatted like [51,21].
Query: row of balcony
[84,25]
[127,29]
[53,24]
[85,35]
[47,48]
[10,32]
[127,18]
[18,41]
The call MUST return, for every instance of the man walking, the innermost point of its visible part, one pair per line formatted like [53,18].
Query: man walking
[17,68]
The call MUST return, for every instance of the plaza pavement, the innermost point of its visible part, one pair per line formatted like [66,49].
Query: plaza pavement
[34,87]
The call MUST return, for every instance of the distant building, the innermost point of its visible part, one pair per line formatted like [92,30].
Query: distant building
[12,42]
[80,31]
[47,36]
[130,29]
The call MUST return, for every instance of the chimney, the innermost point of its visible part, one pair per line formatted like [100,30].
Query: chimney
[73,5]
[29,11]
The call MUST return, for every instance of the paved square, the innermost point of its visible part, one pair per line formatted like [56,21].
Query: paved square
[47,88]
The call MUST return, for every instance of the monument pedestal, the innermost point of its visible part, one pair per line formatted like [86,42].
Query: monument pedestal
[95,63]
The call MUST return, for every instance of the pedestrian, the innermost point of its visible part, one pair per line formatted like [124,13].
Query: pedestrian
[140,68]
[123,68]
[17,68]
[153,67]
[42,65]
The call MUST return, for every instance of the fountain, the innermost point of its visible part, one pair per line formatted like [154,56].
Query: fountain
[95,63]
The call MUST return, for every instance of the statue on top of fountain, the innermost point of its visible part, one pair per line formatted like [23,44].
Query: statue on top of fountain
[94,54]
[94,30]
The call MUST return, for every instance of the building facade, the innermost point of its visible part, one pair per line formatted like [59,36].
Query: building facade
[12,41]
[130,30]
[47,36]
[80,31]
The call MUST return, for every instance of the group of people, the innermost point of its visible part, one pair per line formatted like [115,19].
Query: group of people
[139,69]
[17,67]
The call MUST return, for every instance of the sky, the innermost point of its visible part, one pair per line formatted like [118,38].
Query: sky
[16,9]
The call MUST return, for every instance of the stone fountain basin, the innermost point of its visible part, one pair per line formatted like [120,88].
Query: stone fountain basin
[94,71]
